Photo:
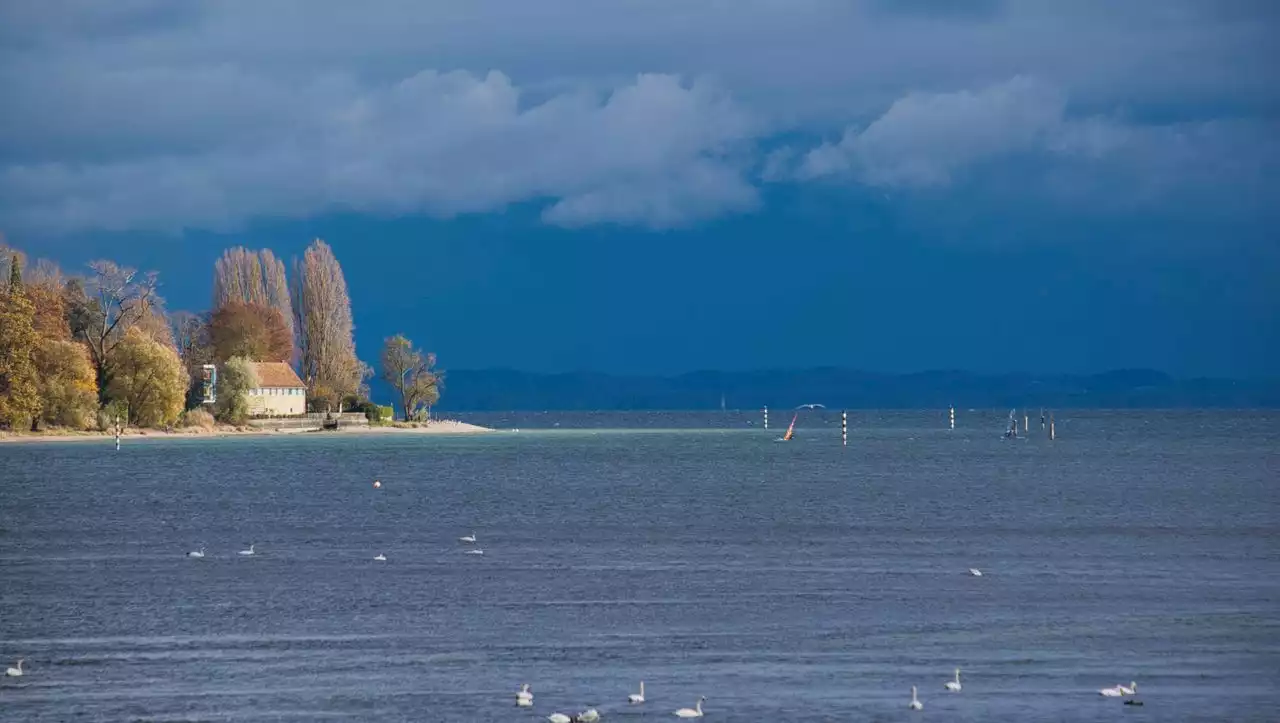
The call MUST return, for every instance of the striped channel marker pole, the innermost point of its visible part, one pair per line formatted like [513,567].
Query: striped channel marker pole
[953,416]
[766,417]
[844,428]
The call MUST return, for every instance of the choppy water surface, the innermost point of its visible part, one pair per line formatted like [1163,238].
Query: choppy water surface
[785,582]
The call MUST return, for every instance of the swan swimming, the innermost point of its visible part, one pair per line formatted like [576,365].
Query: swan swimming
[246,553]
[975,572]
[524,697]
[954,685]
[694,712]
[469,539]
[380,558]
[1132,688]
[559,718]
[637,697]
[915,703]
[15,672]
[590,715]
[196,553]
[476,551]
[1111,692]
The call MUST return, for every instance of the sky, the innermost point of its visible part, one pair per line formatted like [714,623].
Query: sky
[662,186]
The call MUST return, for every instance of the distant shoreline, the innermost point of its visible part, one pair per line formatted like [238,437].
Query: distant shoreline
[443,427]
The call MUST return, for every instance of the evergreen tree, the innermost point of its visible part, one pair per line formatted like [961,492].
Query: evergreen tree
[19,394]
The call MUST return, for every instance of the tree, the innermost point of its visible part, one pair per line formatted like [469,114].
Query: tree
[410,372]
[322,317]
[148,377]
[118,298]
[154,322]
[68,393]
[45,287]
[252,331]
[191,337]
[9,257]
[82,312]
[252,277]
[235,378]
[19,394]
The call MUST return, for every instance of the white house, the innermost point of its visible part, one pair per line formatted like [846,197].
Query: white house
[280,392]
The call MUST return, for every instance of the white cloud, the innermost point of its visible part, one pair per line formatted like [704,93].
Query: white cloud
[655,152]
[932,140]
[924,138]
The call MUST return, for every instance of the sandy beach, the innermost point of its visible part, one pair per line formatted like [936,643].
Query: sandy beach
[442,427]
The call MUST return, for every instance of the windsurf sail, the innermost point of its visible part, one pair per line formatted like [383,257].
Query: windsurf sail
[791,429]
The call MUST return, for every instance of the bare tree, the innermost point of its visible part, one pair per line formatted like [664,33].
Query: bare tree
[410,372]
[120,297]
[322,316]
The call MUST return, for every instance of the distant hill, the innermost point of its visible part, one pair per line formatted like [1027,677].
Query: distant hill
[508,390]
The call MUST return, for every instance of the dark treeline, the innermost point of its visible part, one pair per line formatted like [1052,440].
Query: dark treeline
[505,390]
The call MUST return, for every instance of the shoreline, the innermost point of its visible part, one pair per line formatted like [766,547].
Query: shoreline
[443,427]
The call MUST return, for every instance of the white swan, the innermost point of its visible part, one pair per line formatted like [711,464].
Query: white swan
[590,715]
[637,697]
[1131,689]
[524,696]
[954,685]
[559,718]
[975,572]
[380,558]
[476,551]
[196,553]
[694,712]
[1111,692]
[469,539]
[15,672]
[915,702]
[246,553]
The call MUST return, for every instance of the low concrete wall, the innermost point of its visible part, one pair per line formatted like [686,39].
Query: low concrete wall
[310,421]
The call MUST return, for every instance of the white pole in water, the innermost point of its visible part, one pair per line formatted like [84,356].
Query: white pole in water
[1053,434]
[844,428]
[766,417]
[953,416]
[1026,422]
[117,433]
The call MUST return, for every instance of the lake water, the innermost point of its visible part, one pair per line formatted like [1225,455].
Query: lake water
[784,582]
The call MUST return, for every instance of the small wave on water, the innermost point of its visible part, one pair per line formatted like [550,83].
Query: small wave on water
[785,583]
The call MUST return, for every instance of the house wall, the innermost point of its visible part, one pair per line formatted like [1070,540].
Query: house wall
[276,402]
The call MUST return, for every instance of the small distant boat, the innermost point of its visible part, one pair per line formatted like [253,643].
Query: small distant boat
[1012,432]
[791,430]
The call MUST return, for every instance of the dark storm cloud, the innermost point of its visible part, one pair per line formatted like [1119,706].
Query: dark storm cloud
[150,114]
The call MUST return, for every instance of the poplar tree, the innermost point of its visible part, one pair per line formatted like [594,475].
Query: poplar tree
[19,393]
[325,331]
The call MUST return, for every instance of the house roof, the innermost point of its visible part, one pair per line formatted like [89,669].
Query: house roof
[277,375]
